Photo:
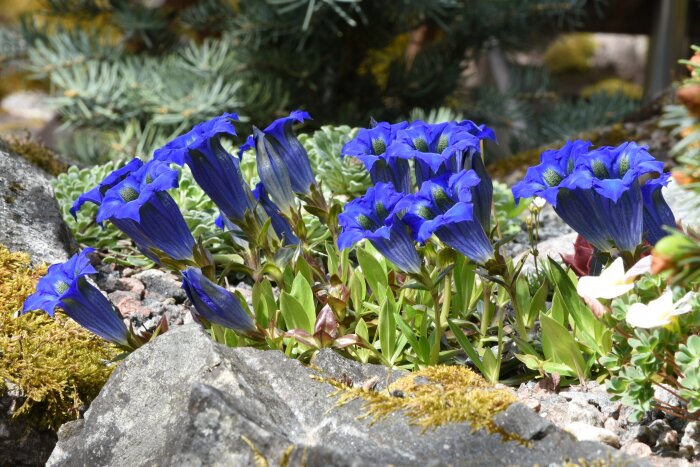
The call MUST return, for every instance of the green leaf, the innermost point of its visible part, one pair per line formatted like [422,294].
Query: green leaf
[387,327]
[374,273]
[264,304]
[465,279]
[589,330]
[468,348]
[491,366]
[538,304]
[301,290]
[560,347]
[362,332]
[358,291]
[295,314]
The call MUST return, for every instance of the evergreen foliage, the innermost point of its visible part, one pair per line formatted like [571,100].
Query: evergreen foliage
[131,74]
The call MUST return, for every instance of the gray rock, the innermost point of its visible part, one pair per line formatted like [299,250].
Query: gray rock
[160,284]
[585,432]
[31,220]
[691,438]
[553,248]
[22,442]
[184,400]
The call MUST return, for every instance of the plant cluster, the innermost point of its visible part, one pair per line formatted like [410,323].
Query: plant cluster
[409,273]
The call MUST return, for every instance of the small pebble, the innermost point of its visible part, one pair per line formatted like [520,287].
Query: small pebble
[637,449]
[585,432]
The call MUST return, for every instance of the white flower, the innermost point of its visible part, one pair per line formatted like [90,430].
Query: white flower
[658,312]
[539,202]
[613,280]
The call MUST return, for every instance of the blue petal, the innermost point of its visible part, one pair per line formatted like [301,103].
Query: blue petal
[87,306]
[214,303]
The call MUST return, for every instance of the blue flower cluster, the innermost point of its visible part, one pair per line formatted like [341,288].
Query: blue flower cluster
[453,200]
[611,196]
[135,199]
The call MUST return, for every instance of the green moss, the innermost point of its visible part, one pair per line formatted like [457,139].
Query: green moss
[58,366]
[453,394]
[570,52]
[37,154]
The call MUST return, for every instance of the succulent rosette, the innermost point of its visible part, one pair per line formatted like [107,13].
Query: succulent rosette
[281,137]
[65,286]
[372,217]
[370,146]
[141,207]
[213,168]
[444,206]
[596,192]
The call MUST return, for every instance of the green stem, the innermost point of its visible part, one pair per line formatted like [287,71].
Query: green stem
[486,315]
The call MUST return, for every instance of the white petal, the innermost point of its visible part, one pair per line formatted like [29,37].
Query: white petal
[615,272]
[682,305]
[599,287]
[643,266]
[640,315]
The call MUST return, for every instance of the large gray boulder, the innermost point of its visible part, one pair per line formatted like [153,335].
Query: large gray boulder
[184,400]
[30,220]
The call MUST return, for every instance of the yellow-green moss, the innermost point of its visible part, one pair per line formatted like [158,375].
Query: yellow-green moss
[614,86]
[37,154]
[57,365]
[570,52]
[452,394]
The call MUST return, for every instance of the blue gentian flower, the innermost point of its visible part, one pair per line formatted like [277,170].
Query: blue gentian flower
[280,134]
[96,194]
[449,148]
[370,146]
[279,224]
[213,168]
[65,286]
[214,303]
[141,207]
[372,217]
[444,206]
[657,212]
[598,193]
[273,172]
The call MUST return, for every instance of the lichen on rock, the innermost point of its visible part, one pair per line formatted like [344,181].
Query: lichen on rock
[433,397]
[57,366]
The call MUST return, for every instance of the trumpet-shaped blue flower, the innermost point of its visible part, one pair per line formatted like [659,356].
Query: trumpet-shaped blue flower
[280,135]
[141,207]
[372,217]
[214,169]
[279,224]
[370,146]
[449,148]
[97,194]
[214,303]
[273,172]
[65,286]
[598,193]
[657,212]
[444,206]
